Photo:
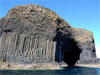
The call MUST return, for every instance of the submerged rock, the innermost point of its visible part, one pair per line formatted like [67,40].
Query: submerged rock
[26,30]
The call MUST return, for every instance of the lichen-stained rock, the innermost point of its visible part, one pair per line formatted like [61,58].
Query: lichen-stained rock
[85,41]
[34,34]
[34,20]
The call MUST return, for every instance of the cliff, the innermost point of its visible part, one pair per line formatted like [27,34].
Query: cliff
[34,34]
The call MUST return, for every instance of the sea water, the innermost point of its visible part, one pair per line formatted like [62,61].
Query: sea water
[63,71]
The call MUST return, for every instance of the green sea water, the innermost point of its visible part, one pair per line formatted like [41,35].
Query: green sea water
[63,71]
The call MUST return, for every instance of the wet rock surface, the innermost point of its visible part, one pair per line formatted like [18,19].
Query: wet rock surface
[32,22]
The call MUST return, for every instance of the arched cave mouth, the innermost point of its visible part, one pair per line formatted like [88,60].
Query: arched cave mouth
[71,52]
[68,51]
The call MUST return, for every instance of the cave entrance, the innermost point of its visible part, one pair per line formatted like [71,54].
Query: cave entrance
[71,58]
[71,51]
[67,49]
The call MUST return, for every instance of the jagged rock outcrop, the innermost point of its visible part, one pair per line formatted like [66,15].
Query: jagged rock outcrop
[30,22]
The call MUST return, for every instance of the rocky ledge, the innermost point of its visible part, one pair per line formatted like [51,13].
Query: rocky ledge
[32,34]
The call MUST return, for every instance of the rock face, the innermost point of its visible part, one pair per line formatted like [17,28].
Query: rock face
[85,42]
[31,33]
[21,48]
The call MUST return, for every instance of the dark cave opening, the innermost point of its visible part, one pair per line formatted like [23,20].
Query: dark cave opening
[71,58]
[71,51]
[68,51]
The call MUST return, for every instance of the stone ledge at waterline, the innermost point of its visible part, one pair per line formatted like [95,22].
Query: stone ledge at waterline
[33,34]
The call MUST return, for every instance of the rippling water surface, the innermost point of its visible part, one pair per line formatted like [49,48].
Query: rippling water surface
[63,71]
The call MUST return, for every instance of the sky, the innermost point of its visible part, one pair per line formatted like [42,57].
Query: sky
[78,13]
